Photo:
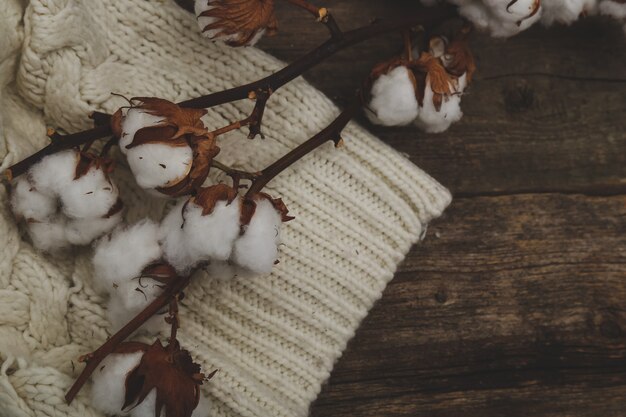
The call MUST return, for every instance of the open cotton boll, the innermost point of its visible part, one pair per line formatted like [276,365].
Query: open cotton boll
[226,270]
[133,120]
[565,11]
[109,381]
[498,17]
[393,100]
[211,236]
[159,165]
[28,203]
[125,253]
[49,236]
[257,248]
[432,120]
[129,298]
[54,172]
[91,195]
[85,231]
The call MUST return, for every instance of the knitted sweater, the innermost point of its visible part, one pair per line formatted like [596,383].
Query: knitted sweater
[274,339]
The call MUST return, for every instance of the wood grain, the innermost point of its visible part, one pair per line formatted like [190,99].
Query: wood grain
[515,304]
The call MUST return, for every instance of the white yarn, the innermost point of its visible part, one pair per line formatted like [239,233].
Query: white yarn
[364,195]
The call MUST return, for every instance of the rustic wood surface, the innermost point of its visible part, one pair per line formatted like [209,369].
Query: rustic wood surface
[515,304]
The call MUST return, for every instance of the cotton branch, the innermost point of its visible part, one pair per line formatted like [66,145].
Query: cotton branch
[94,358]
[428,17]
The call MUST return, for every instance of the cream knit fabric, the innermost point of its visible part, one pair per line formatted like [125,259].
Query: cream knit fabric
[274,339]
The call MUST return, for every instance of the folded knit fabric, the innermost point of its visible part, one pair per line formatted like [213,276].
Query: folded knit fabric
[274,339]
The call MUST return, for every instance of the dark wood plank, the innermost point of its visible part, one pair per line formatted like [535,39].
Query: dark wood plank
[545,113]
[513,305]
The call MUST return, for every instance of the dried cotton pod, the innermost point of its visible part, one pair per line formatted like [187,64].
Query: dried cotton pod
[236,22]
[168,148]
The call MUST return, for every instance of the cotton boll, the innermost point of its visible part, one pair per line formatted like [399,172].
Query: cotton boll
[499,17]
[393,100]
[133,120]
[29,203]
[54,172]
[257,248]
[123,255]
[108,388]
[565,11]
[159,165]
[173,240]
[49,236]
[85,231]
[91,195]
[435,121]
[211,236]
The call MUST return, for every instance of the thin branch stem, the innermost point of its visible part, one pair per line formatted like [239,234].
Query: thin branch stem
[331,132]
[57,145]
[173,320]
[322,14]
[93,359]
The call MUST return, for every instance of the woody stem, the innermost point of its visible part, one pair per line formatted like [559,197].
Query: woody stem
[330,132]
[322,15]
[173,320]
[97,356]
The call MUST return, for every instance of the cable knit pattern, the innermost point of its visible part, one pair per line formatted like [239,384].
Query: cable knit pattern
[274,339]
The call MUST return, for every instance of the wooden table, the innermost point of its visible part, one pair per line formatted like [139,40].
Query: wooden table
[515,304]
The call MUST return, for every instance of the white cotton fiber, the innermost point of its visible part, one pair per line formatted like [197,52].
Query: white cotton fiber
[49,236]
[435,121]
[257,248]
[133,120]
[498,17]
[54,172]
[125,253]
[565,11]
[159,165]
[393,100]
[85,231]
[173,239]
[613,9]
[211,237]
[29,203]
[91,195]
[108,388]
[129,298]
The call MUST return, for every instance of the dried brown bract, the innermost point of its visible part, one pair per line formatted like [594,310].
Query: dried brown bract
[236,22]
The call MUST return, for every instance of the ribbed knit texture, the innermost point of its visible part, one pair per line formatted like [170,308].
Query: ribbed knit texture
[274,339]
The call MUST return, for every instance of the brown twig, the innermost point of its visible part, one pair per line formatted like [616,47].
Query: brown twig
[322,14]
[331,132]
[94,358]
